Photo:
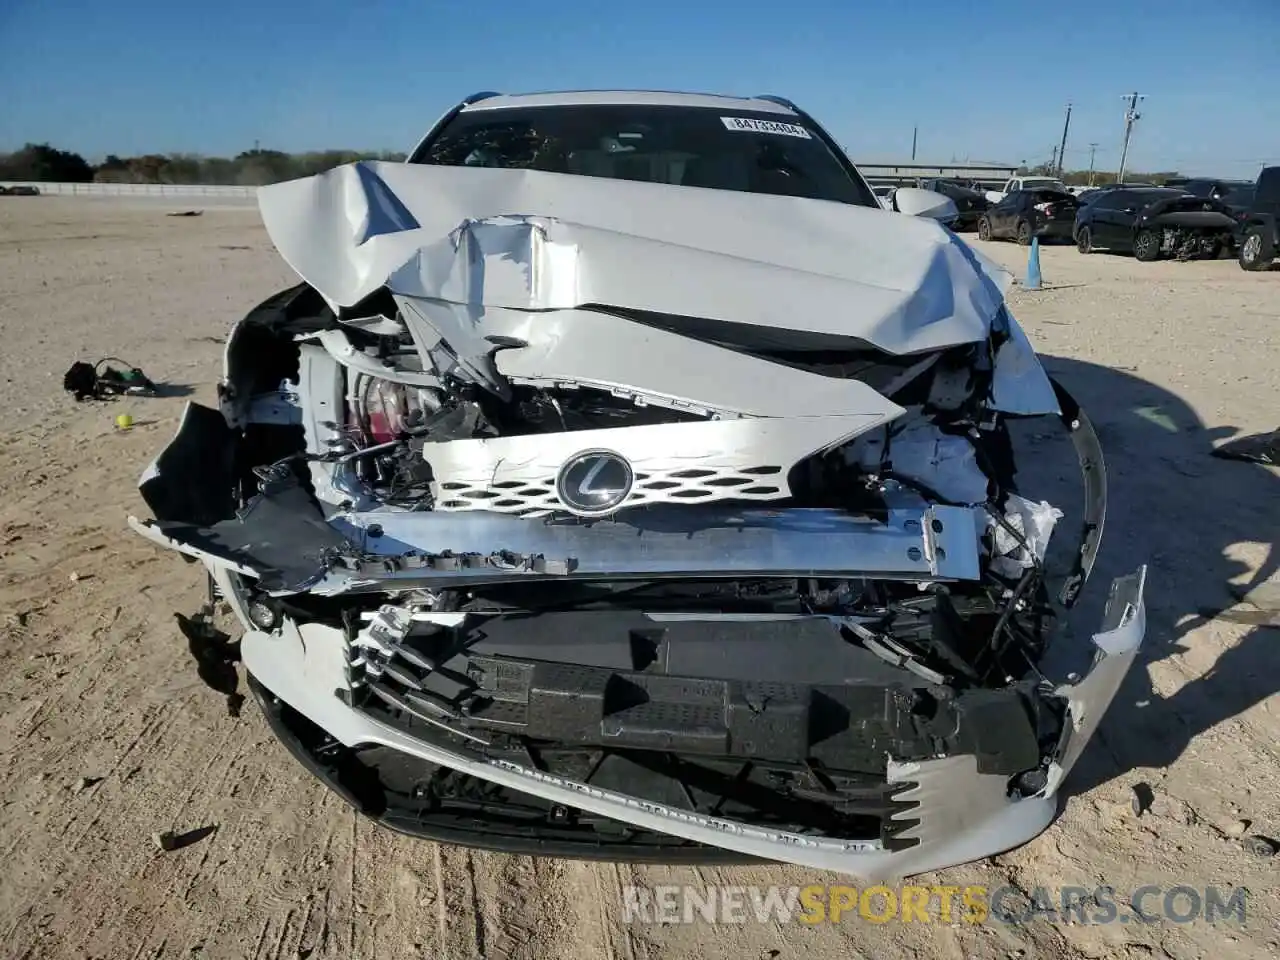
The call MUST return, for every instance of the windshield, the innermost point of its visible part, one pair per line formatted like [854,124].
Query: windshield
[1037,183]
[1238,194]
[753,152]
[1053,196]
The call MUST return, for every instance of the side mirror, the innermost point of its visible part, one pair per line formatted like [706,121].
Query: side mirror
[925,203]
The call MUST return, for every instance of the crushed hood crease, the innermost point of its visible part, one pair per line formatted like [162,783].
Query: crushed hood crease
[528,240]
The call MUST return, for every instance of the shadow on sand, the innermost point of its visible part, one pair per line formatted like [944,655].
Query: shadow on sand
[1182,512]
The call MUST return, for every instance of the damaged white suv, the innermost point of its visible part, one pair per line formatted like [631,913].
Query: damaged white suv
[621,481]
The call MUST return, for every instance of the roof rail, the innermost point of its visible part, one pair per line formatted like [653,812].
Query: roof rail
[774,98]
[482,95]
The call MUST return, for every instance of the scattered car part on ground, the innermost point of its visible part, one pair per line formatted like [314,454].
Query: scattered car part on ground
[610,516]
[1261,448]
[100,381]
[1025,214]
[20,190]
[1155,222]
[1258,237]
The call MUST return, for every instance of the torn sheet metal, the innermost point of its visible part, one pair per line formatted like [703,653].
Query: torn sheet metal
[529,240]
[579,348]
[1019,384]
[193,477]
[279,537]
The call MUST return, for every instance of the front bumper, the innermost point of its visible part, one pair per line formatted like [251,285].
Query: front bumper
[954,813]
[1056,229]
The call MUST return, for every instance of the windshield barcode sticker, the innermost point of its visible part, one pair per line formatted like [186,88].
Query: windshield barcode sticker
[749,125]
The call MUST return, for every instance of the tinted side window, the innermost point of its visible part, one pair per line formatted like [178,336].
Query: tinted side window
[1269,188]
[1240,196]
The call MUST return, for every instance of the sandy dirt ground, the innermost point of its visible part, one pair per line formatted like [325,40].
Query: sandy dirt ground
[107,735]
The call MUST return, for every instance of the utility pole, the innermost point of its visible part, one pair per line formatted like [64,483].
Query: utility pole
[1053,159]
[914,132]
[1093,148]
[1131,116]
[1062,150]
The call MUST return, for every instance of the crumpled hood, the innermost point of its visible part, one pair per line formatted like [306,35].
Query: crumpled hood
[528,240]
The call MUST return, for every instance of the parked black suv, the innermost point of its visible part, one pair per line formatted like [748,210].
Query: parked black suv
[1024,214]
[1106,218]
[970,204]
[1234,193]
[1154,222]
[1260,228]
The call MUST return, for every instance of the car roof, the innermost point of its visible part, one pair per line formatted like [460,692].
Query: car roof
[651,98]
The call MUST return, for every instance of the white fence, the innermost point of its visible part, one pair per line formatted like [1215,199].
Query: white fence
[134,189]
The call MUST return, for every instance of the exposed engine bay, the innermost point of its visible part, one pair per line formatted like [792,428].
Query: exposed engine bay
[615,532]
[1185,228]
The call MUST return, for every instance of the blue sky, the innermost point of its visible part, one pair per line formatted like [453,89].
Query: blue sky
[984,79]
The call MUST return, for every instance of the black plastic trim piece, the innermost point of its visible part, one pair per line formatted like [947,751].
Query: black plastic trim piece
[1094,471]
[337,767]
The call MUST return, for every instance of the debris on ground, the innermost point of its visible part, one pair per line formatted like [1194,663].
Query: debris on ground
[99,381]
[168,841]
[164,841]
[1141,798]
[1256,448]
[1261,846]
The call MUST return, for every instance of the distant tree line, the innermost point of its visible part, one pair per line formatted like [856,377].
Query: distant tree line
[40,161]
[1082,177]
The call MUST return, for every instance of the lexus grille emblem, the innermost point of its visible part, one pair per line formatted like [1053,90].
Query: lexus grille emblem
[594,483]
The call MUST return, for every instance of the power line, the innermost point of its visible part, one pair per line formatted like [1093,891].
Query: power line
[1062,149]
[1131,116]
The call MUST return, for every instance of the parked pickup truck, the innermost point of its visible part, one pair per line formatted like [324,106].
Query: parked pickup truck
[1026,183]
[1259,230]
